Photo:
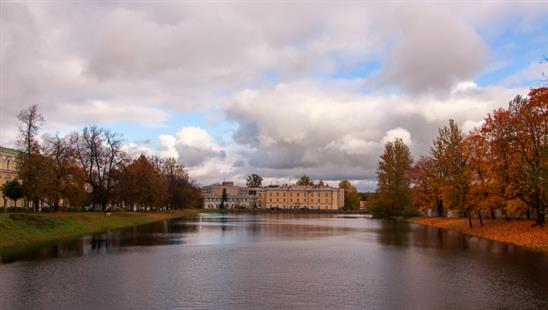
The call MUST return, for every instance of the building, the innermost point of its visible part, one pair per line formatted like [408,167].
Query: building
[313,197]
[237,196]
[8,171]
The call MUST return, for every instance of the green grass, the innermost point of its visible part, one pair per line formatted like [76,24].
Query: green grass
[27,229]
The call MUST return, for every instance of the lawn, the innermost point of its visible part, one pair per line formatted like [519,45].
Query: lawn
[24,229]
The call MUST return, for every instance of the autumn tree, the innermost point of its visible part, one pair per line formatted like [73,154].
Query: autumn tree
[351,195]
[254,180]
[530,118]
[504,168]
[30,121]
[394,178]
[426,187]
[450,154]
[64,179]
[141,186]
[304,180]
[181,191]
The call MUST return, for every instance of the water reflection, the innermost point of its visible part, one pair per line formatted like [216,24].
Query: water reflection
[249,261]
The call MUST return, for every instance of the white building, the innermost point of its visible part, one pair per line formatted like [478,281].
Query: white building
[237,196]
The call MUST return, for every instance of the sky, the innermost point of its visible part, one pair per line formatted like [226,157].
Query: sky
[281,89]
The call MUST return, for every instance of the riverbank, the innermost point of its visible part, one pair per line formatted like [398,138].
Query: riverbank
[28,229]
[516,232]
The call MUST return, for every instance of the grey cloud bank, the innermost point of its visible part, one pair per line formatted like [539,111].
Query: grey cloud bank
[267,68]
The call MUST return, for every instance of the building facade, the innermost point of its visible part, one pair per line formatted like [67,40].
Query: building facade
[237,196]
[313,197]
[8,171]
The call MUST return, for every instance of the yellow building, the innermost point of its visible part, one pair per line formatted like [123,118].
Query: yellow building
[8,171]
[313,197]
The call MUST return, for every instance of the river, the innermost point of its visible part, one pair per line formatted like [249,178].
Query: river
[281,261]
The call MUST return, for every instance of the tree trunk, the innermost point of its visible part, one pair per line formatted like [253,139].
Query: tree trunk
[540,210]
[5,205]
[493,215]
[469,219]
[439,206]
[528,213]
[479,217]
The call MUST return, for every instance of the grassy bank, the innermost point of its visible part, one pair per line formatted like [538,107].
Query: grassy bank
[27,229]
[517,232]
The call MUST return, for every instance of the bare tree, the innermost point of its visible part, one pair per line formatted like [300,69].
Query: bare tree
[99,153]
[31,120]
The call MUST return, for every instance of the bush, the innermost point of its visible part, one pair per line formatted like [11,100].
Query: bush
[410,211]
[377,210]
[46,209]
[19,209]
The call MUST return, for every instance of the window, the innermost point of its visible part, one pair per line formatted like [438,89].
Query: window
[8,164]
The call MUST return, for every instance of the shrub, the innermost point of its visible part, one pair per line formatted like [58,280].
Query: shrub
[410,211]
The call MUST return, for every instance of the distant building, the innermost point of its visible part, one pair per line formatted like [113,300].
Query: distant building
[8,171]
[314,197]
[237,196]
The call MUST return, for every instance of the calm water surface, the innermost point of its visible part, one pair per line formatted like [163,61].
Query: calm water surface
[275,261]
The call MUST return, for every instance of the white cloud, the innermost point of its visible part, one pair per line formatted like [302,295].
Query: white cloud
[397,133]
[334,133]
[140,62]
[191,145]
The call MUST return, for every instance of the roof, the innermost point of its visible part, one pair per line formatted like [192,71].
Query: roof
[8,150]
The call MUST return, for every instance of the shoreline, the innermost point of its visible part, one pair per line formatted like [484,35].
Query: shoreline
[25,230]
[515,232]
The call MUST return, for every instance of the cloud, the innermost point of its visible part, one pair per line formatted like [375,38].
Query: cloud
[191,145]
[333,133]
[397,133]
[142,62]
[433,52]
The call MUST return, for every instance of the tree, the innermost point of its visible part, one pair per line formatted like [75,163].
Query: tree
[394,178]
[224,198]
[30,120]
[181,191]
[426,188]
[304,180]
[64,179]
[530,118]
[501,163]
[99,153]
[141,186]
[351,196]
[13,190]
[450,154]
[254,180]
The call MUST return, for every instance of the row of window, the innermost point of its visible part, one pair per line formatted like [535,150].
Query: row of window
[283,200]
[230,199]
[304,194]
